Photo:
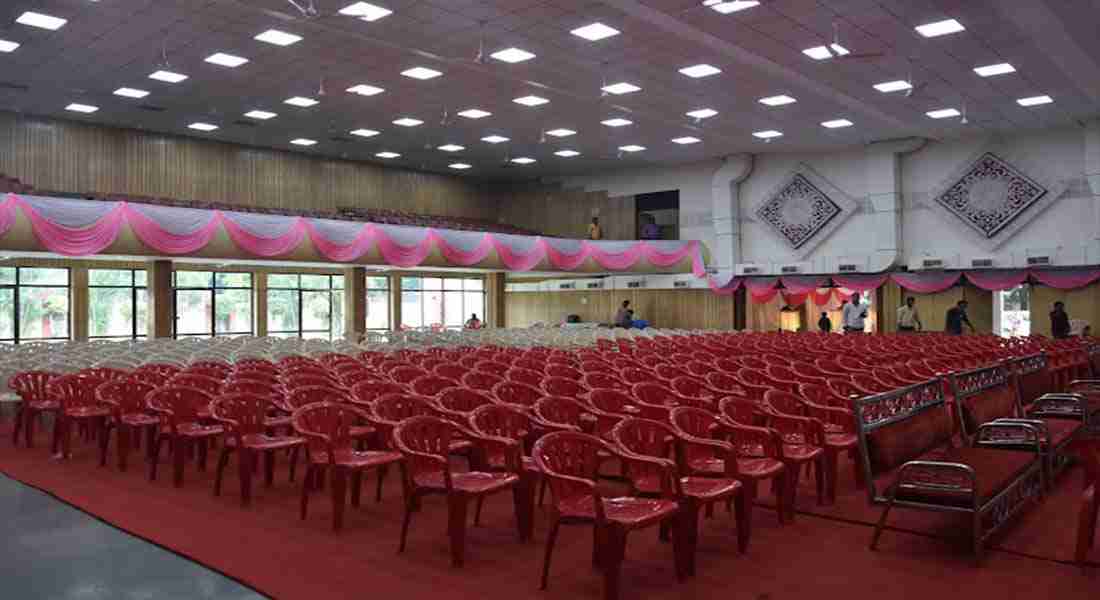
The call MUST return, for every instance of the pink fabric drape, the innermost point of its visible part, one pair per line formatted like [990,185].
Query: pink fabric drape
[75,241]
[457,256]
[724,289]
[927,282]
[263,246]
[7,213]
[823,296]
[1067,279]
[791,299]
[997,281]
[360,245]
[156,237]
[861,282]
[803,284]
[516,261]
[762,289]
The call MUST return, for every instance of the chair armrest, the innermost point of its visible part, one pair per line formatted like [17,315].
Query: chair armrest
[832,415]
[1001,433]
[810,429]
[670,483]
[744,436]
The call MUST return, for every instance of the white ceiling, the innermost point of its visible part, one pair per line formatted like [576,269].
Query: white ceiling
[108,44]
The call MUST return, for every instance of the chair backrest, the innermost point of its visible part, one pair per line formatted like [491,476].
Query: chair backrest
[329,419]
[425,442]
[983,395]
[301,380]
[527,376]
[498,420]
[647,438]
[739,409]
[460,399]
[452,370]
[557,412]
[32,385]
[207,384]
[784,403]
[394,408]
[492,366]
[242,412]
[823,396]
[74,390]
[311,394]
[560,386]
[481,380]
[564,371]
[1032,376]
[431,385]
[406,373]
[606,380]
[182,404]
[104,373]
[564,457]
[520,394]
[366,392]
[126,395]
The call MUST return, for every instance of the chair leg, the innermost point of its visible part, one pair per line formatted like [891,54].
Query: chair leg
[356,487]
[219,470]
[551,539]
[614,549]
[882,519]
[104,441]
[18,424]
[522,495]
[28,430]
[685,538]
[339,496]
[62,436]
[307,485]
[857,468]
[410,508]
[976,536]
[477,511]
[743,518]
[123,444]
[246,459]
[294,452]
[269,468]
[820,473]
[794,472]
[456,527]
[381,475]
[180,447]
[831,474]
[154,456]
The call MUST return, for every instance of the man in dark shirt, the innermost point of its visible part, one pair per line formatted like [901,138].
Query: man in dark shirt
[956,316]
[1059,321]
[824,323]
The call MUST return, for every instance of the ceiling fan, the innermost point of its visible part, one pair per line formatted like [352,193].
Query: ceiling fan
[841,52]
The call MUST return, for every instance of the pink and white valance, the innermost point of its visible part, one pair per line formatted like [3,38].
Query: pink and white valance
[85,227]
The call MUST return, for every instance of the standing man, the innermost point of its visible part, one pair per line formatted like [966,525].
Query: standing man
[956,316]
[824,324]
[908,317]
[624,315]
[594,230]
[1059,321]
[854,315]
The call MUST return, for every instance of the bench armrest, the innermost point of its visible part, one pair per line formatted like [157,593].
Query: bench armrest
[1002,433]
[936,477]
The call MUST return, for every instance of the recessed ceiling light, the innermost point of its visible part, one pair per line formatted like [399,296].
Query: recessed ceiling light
[300,101]
[41,21]
[364,132]
[561,132]
[168,76]
[459,166]
[531,100]
[779,100]
[262,115]
[495,139]
[940,28]
[387,155]
[567,153]
[893,86]
[687,139]
[702,113]
[226,60]
[997,69]
[279,38]
[126,92]
[202,126]
[836,123]
[1034,100]
[365,90]
[617,122]
[523,160]
[408,122]
[818,52]
[620,88]
[595,32]
[767,135]
[512,55]
[82,108]
[421,73]
[730,6]
[303,142]
[8,46]
[451,148]
[839,50]
[632,148]
[943,113]
[474,113]
[703,70]
[365,11]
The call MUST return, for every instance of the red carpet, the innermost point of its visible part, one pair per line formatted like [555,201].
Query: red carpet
[268,548]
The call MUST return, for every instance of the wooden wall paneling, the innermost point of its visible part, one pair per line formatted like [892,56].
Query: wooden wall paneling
[668,309]
[1082,303]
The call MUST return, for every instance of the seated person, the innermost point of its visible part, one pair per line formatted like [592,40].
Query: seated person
[473,322]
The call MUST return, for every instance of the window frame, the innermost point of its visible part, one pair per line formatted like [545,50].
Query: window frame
[16,320]
[133,287]
[213,289]
[443,299]
[331,290]
[389,301]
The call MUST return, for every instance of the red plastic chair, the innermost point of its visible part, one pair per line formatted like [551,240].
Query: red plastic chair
[158,368]
[725,383]
[129,416]
[245,418]
[699,368]
[450,370]
[35,399]
[425,443]
[570,462]
[328,430]
[634,375]
[202,382]
[481,380]
[554,413]
[1088,452]
[517,394]
[104,373]
[700,393]
[729,365]
[526,376]
[669,372]
[648,449]
[530,364]
[560,386]
[502,432]
[611,406]
[77,403]
[564,371]
[365,393]
[406,374]
[605,380]
[181,409]
[431,385]
[496,368]
[456,404]
[301,380]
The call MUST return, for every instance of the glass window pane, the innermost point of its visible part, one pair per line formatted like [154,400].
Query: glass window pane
[186,279]
[316,312]
[7,276]
[282,310]
[433,309]
[337,282]
[452,284]
[475,284]
[338,315]
[193,309]
[378,309]
[44,312]
[43,276]
[410,283]
[7,312]
[432,283]
[475,304]
[110,277]
[110,311]
[452,308]
[381,283]
[315,282]
[142,311]
[282,281]
[234,311]
[233,280]
[411,312]
[141,278]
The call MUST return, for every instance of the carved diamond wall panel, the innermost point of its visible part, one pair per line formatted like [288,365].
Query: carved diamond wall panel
[990,195]
[799,211]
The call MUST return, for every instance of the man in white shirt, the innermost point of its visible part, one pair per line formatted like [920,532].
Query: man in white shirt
[854,315]
[908,317]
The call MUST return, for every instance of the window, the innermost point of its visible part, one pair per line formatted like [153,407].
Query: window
[1012,311]
[34,304]
[378,303]
[438,303]
[209,304]
[117,304]
[306,306]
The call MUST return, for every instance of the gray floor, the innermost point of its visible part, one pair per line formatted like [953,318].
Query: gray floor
[50,550]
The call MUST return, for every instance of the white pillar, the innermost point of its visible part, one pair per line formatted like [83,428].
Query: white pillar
[726,196]
[1092,175]
[884,193]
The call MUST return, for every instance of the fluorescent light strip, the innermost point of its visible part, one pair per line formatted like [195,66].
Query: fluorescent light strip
[451,148]
[702,113]
[279,38]
[531,100]
[687,139]
[168,76]
[475,113]
[726,7]
[126,92]
[943,113]
[567,153]
[617,122]
[837,123]
[495,139]
[364,132]
[893,86]
[387,154]
[767,135]
[1034,100]
[365,90]
[701,70]
[621,88]
[997,69]
[261,115]
[779,100]
[300,101]
[202,126]
[8,46]
[365,11]
[459,166]
[561,132]
[632,148]
[226,60]
[421,73]
[82,108]
[303,142]
[408,122]
[523,160]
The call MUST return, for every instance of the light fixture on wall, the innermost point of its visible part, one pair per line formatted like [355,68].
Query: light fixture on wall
[790,319]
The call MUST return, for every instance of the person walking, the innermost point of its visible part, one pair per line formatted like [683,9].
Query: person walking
[956,316]
[1059,321]
[908,317]
[854,315]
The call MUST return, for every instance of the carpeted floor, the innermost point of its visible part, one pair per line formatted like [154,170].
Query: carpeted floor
[822,554]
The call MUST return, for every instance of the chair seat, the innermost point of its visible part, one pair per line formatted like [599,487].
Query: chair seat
[629,512]
[995,470]
[753,468]
[841,440]
[703,489]
[82,412]
[801,452]
[471,482]
[1061,429]
[195,430]
[43,405]
[356,459]
[139,420]
[361,431]
[260,441]
[281,421]
[497,460]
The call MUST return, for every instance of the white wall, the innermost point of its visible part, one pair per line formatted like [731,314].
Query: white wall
[1066,228]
